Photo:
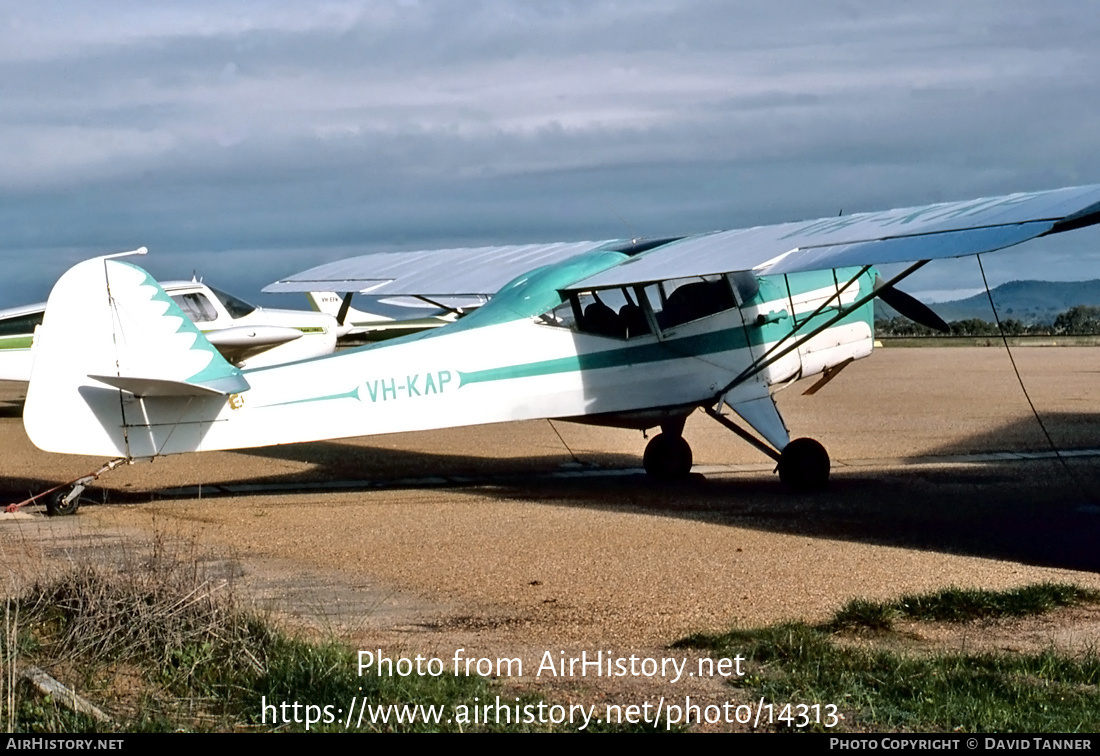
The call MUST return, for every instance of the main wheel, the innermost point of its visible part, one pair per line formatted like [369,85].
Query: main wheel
[667,457]
[804,465]
[57,506]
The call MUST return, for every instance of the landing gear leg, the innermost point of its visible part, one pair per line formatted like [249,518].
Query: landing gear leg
[65,498]
[804,465]
[668,455]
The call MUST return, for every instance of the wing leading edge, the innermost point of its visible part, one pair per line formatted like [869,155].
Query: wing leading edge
[928,232]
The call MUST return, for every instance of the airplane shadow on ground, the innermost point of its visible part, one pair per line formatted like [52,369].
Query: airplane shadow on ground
[1067,430]
[1037,511]
[1043,511]
[11,408]
[334,461]
[1026,511]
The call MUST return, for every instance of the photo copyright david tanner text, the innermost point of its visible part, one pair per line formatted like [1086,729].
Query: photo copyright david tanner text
[863,742]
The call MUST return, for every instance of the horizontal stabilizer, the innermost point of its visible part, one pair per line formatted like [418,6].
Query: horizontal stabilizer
[160,387]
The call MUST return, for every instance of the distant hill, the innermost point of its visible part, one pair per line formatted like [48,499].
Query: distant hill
[1028,301]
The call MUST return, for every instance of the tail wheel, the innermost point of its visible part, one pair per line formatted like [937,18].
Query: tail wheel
[63,502]
[667,457]
[804,465]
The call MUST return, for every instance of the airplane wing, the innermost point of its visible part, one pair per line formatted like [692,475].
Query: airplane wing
[384,316]
[948,229]
[464,272]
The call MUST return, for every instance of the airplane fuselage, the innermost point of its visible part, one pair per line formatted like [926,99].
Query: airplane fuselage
[513,359]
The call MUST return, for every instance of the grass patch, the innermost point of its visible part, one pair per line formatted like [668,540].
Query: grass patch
[962,605]
[861,614]
[882,689]
[160,648]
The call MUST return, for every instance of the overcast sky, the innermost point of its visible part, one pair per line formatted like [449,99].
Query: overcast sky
[250,140]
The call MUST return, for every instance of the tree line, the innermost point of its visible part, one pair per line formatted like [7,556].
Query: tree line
[1082,320]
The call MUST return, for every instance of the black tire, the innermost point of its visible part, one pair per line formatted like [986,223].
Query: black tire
[57,507]
[667,457]
[804,465]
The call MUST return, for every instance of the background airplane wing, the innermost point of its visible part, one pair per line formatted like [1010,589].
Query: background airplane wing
[434,273]
[949,229]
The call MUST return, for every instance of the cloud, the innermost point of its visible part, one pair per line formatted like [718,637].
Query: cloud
[209,130]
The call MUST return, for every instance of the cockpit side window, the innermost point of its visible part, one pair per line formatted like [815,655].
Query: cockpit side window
[608,312]
[196,306]
[685,300]
[621,313]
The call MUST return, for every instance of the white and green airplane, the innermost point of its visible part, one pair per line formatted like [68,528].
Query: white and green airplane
[635,334]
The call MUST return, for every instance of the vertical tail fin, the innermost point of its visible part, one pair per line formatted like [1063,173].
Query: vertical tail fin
[110,339]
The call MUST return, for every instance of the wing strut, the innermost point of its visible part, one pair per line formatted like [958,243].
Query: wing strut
[345,305]
[744,434]
[440,305]
[769,358]
[763,360]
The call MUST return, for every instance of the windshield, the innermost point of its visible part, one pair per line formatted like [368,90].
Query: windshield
[238,308]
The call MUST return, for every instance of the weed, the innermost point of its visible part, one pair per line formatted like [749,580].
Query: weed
[884,689]
[963,605]
[164,649]
[861,614]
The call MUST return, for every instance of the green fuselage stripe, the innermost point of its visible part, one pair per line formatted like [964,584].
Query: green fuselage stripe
[353,394]
[690,346]
[16,342]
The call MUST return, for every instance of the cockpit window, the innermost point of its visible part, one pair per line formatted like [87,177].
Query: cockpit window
[196,306]
[609,312]
[694,299]
[237,307]
[621,313]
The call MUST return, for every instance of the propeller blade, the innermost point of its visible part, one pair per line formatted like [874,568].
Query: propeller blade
[910,307]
